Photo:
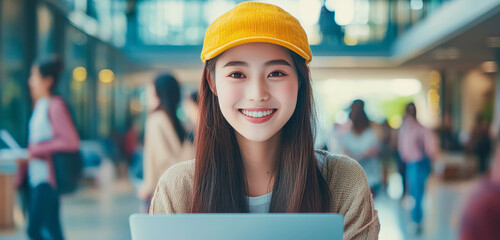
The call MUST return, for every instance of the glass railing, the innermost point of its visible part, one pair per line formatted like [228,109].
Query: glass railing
[183,22]
[329,22]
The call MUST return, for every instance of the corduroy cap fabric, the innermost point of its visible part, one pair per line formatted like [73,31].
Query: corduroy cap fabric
[251,22]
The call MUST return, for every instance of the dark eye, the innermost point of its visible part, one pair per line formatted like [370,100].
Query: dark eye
[276,74]
[237,75]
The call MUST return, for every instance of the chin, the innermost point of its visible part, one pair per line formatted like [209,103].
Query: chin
[256,136]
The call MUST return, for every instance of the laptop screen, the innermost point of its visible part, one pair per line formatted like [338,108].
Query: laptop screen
[237,226]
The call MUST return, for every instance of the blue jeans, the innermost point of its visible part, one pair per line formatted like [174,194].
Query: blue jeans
[43,212]
[417,174]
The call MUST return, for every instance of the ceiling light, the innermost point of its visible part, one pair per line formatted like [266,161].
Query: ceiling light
[489,67]
[449,53]
[493,42]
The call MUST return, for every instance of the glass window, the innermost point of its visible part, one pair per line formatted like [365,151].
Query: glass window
[15,99]
[76,71]
[350,22]
[45,20]
[105,89]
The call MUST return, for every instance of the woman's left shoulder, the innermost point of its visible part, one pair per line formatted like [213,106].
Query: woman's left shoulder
[335,166]
[350,195]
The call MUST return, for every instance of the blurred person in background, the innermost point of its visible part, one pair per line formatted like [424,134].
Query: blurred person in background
[482,213]
[361,143]
[389,155]
[401,166]
[51,130]
[336,132]
[495,168]
[131,140]
[479,143]
[165,139]
[191,108]
[448,138]
[388,148]
[417,147]
[331,32]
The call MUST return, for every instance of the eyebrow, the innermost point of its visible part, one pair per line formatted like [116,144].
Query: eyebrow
[277,62]
[268,63]
[235,63]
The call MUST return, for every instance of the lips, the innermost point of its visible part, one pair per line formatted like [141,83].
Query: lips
[258,115]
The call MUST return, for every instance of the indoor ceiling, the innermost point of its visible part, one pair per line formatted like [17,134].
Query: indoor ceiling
[441,42]
[467,49]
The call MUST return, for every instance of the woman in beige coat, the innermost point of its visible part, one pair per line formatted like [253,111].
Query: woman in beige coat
[165,137]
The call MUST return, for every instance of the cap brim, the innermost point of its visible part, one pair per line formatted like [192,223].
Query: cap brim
[241,41]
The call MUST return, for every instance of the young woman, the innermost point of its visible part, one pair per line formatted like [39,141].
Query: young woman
[51,130]
[165,136]
[254,144]
[361,143]
[417,146]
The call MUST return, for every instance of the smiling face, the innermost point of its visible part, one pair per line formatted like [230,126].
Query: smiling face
[257,87]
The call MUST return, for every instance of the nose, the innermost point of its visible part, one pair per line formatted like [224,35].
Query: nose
[257,90]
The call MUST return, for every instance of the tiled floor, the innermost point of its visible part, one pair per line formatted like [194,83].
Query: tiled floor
[102,213]
[93,213]
[443,203]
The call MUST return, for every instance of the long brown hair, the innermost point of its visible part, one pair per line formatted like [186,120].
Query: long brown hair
[219,180]
[168,90]
[360,121]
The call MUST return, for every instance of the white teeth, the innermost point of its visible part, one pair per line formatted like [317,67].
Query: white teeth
[257,113]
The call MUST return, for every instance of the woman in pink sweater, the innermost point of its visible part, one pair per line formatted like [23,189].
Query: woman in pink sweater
[51,130]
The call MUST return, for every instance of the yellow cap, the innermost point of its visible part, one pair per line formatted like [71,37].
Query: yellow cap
[251,22]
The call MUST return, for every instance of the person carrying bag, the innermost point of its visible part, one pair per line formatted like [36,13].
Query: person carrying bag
[51,131]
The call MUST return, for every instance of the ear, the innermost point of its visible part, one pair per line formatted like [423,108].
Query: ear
[49,80]
[211,81]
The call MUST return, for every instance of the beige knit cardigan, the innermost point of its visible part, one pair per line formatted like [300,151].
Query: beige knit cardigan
[349,190]
[162,148]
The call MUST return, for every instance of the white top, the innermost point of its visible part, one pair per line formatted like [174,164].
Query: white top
[40,130]
[260,204]
[359,144]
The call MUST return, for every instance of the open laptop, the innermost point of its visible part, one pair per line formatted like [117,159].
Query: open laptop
[12,151]
[237,226]
[9,152]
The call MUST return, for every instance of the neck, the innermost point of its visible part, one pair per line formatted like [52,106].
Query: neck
[42,95]
[258,159]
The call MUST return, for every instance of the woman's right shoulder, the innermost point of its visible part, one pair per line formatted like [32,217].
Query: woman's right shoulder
[57,104]
[333,165]
[174,189]
[350,195]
